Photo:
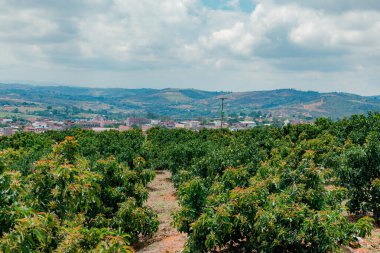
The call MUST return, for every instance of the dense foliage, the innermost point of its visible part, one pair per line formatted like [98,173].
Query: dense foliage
[273,189]
[268,189]
[85,194]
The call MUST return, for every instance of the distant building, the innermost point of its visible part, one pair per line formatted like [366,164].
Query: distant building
[248,124]
[87,124]
[99,119]
[137,121]
[179,125]
[33,130]
[102,129]
[217,122]
[40,125]
[167,124]
[210,126]
[8,131]
[191,124]
[155,122]
[6,121]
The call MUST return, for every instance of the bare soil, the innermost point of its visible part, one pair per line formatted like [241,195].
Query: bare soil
[162,198]
[315,106]
[370,244]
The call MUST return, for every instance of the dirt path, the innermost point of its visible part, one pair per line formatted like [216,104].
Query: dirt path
[162,198]
[370,244]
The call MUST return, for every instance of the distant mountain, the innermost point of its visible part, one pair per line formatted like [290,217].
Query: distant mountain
[292,102]
[182,103]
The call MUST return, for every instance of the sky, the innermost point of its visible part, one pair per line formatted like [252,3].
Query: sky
[230,45]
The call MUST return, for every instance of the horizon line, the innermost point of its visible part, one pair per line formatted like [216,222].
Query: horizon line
[80,86]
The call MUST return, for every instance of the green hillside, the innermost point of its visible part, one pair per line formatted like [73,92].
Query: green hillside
[180,103]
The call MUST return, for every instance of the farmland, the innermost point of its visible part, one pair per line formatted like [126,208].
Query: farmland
[296,188]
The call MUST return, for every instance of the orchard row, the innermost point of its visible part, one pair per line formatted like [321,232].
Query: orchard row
[268,189]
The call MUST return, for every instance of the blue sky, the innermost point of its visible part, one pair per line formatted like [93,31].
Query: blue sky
[243,5]
[324,45]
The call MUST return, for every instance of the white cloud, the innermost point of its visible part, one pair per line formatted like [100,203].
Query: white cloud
[236,40]
[339,32]
[280,43]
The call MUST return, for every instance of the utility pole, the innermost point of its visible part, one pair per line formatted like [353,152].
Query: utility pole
[222,112]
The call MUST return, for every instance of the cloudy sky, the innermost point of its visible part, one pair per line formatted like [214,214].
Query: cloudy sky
[234,45]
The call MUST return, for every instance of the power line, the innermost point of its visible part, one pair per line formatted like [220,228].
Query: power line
[222,112]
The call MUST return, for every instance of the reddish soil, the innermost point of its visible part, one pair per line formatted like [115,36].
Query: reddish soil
[315,106]
[162,198]
[370,244]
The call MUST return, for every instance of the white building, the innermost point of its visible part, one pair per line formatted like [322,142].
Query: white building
[155,122]
[40,125]
[248,124]
[5,121]
[191,123]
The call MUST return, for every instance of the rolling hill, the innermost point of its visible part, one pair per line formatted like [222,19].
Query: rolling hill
[180,103]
